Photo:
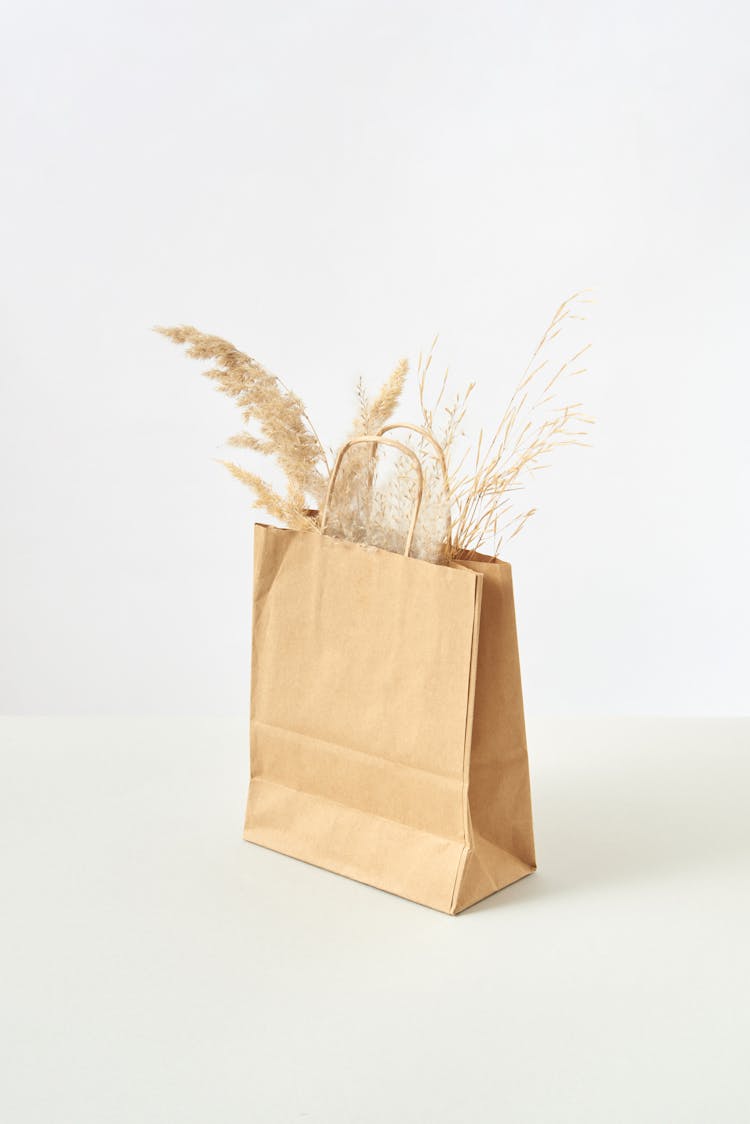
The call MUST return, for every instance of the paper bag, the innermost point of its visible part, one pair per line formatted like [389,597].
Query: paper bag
[387,730]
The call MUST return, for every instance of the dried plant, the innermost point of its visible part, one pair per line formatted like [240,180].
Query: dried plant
[372,415]
[534,423]
[380,502]
[286,431]
[352,506]
[375,507]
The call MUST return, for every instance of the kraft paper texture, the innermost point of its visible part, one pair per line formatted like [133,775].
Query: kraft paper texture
[387,736]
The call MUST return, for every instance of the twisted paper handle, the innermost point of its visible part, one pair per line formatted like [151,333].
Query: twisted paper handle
[377,440]
[440,456]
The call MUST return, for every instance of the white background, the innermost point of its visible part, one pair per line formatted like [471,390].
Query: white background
[328,185]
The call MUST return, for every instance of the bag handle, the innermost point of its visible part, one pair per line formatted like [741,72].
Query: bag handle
[376,440]
[440,456]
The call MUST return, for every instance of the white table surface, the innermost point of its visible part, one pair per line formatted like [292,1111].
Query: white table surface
[157,968]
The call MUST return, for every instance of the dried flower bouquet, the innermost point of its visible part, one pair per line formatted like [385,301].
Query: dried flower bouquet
[463,494]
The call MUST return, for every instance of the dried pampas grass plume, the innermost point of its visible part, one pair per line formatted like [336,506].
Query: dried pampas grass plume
[384,406]
[353,514]
[286,432]
[271,502]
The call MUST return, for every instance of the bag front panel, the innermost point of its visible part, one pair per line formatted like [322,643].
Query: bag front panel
[363,667]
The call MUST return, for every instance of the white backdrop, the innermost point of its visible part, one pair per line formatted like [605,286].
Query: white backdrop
[328,185]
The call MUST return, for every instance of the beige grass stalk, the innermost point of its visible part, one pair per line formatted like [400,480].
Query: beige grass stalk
[534,423]
[286,431]
[352,511]
[288,513]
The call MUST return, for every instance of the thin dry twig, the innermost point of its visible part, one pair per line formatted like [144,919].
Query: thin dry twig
[534,423]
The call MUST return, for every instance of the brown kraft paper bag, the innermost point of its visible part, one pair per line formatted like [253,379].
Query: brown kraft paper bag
[386,723]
